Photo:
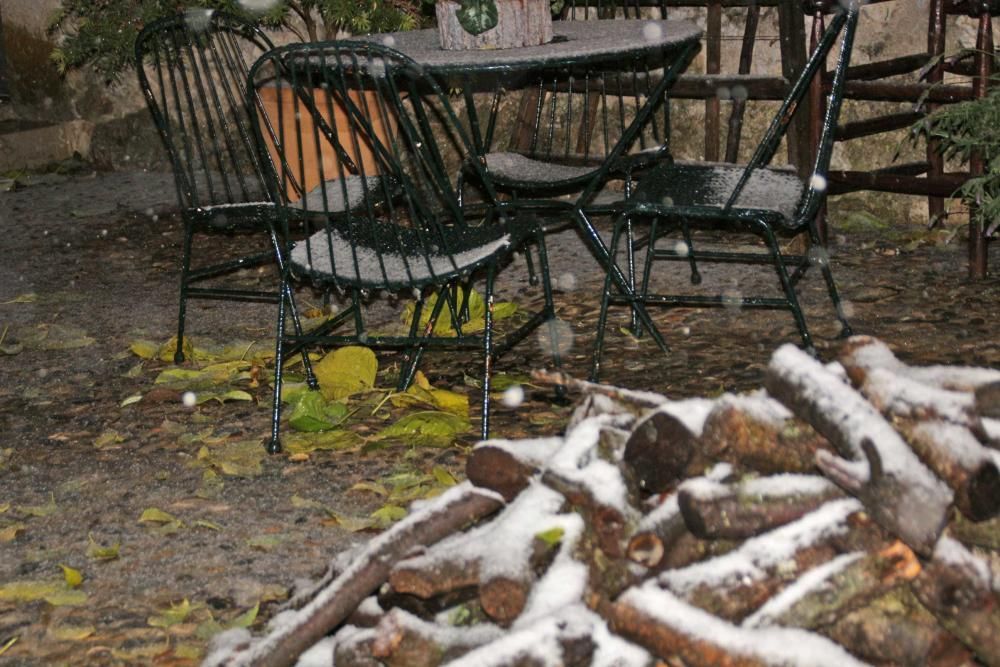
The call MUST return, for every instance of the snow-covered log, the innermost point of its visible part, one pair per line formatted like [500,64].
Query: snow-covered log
[877,465]
[958,588]
[957,457]
[668,626]
[828,592]
[713,510]
[664,445]
[439,518]
[757,432]
[862,354]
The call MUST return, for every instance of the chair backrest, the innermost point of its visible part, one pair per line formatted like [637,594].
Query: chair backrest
[385,137]
[576,117]
[577,10]
[843,25]
[192,69]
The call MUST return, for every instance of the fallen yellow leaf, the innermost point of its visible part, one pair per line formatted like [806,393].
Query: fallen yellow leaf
[72,576]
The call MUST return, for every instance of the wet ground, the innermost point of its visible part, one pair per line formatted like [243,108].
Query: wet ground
[89,267]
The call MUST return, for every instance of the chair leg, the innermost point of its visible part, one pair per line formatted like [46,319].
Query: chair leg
[484,430]
[550,311]
[274,445]
[409,369]
[786,285]
[182,310]
[831,286]
[287,292]
[602,317]
[634,324]
[606,258]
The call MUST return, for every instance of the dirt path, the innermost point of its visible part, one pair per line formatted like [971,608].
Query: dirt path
[89,267]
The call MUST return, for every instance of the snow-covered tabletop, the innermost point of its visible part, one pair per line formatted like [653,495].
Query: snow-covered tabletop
[574,42]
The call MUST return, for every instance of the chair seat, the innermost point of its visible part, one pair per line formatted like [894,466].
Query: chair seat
[340,194]
[709,185]
[521,168]
[384,256]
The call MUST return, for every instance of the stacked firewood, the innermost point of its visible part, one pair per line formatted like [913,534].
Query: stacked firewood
[844,514]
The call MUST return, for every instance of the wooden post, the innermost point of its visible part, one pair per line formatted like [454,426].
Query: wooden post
[792,35]
[713,65]
[980,82]
[935,47]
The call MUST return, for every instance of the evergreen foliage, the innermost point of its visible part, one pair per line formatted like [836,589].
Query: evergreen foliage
[965,129]
[101,33]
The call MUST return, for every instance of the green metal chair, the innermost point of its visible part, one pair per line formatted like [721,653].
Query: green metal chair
[192,69]
[765,201]
[398,139]
[569,120]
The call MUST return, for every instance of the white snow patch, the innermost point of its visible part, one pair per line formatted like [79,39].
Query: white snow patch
[950,550]
[223,644]
[564,583]
[691,412]
[786,484]
[705,489]
[536,452]
[758,405]
[876,354]
[991,427]
[319,654]
[907,397]
[577,461]
[964,446]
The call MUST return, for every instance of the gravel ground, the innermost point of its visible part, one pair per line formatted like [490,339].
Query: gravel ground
[89,266]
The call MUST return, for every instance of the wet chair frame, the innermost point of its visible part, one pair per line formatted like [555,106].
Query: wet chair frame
[409,233]
[759,199]
[192,71]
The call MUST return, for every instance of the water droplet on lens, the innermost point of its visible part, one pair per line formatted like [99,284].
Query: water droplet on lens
[563,334]
[652,31]
[818,256]
[732,298]
[513,396]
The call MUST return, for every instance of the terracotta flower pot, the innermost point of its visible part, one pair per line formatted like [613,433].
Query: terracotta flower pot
[363,155]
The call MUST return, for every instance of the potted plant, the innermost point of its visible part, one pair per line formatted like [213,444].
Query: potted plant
[493,24]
